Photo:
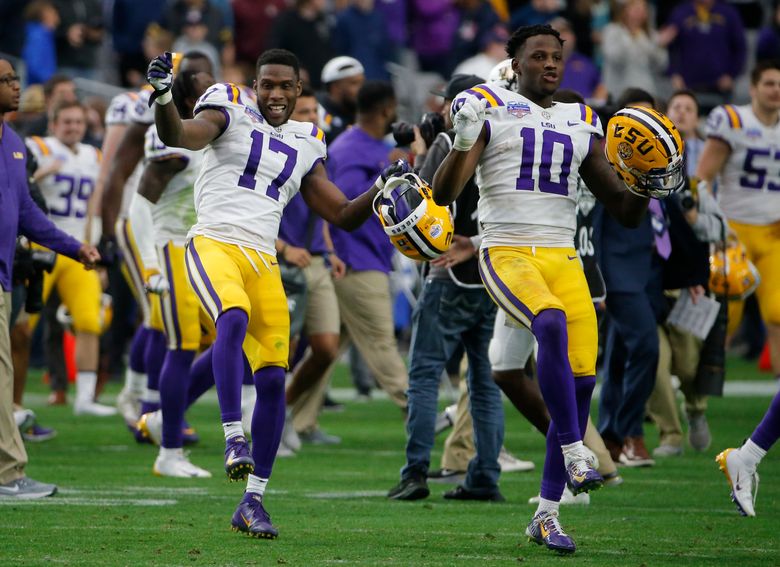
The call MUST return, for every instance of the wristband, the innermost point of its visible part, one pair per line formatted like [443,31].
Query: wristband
[462,145]
[164,98]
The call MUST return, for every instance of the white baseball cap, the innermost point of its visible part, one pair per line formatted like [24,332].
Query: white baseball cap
[340,68]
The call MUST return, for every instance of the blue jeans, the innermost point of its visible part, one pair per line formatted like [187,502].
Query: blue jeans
[445,316]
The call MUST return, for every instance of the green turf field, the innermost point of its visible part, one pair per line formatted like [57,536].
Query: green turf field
[330,508]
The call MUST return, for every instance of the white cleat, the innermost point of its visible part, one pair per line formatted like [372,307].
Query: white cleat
[743,480]
[129,406]
[290,437]
[509,463]
[93,408]
[284,451]
[567,498]
[176,464]
[150,426]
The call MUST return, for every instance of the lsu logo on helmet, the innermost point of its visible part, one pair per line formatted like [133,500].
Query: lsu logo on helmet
[646,150]
[418,227]
[504,75]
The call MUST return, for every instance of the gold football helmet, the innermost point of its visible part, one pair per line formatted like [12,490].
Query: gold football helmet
[731,272]
[646,150]
[418,227]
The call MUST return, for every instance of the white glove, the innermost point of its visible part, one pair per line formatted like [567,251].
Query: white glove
[157,284]
[160,76]
[468,123]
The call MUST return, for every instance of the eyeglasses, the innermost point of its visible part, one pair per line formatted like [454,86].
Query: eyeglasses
[10,79]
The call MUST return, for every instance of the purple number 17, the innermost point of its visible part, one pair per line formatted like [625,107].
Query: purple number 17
[550,138]
[247,179]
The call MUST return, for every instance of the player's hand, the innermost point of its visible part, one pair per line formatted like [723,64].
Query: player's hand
[108,249]
[89,256]
[296,256]
[696,292]
[338,269]
[468,122]
[160,76]
[395,169]
[157,284]
[418,147]
[460,250]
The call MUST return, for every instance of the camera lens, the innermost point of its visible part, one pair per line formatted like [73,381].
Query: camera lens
[403,133]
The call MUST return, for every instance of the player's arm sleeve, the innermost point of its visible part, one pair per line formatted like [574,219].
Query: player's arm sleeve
[722,123]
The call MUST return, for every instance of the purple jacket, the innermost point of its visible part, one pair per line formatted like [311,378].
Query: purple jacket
[705,50]
[355,160]
[434,24]
[298,221]
[18,213]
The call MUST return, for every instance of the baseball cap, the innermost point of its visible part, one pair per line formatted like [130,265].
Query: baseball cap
[458,83]
[340,68]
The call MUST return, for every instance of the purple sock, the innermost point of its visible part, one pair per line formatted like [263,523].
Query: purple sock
[137,348]
[228,362]
[768,431]
[201,376]
[154,355]
[174,382]
[556,380]
[268,418]
[554,475]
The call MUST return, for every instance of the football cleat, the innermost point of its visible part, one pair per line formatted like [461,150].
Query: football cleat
[150,426]
[545,529]
[582,476]
[178,465]
[251,518]
[129,406]
[238,460]
[509,463]
[37,433]
[191,436]
[743,480]
[567,498]
[290,437]
[92,408]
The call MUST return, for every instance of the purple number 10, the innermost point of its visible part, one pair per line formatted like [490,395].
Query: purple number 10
[247,179]
[526,181]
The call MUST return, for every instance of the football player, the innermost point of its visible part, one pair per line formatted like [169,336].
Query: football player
[67,173]
[256,160]
[742,152]
[528,153]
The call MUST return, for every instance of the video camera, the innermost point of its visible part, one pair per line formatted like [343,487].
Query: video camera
[431,124]
[29,265]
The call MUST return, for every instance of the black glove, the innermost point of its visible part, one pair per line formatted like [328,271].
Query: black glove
[393,170]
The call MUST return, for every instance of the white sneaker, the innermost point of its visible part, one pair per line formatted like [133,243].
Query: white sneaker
[666,450]
[567,498]
[24,418]
[284,451]
[290,437]
[129,406]
[743,480]
[92,408]
[509,463]
[150,426]
[176,464]
[446,418]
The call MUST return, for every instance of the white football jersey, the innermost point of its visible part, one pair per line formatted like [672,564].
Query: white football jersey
[68,190]
[141,112]
[174,213]
[528,172]
[250,171]
[120,108]
[749,184]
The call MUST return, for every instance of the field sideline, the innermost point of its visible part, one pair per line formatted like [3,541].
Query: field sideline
[329,503]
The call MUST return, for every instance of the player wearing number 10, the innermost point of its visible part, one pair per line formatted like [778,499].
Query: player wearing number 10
[256,160]
[528,152]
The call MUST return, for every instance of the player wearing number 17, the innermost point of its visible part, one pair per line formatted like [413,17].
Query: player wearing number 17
[256,160]
[528,152]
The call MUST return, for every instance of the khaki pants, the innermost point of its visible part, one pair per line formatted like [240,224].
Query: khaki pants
[13,457]
[322,317]
[678,354]
[366,311]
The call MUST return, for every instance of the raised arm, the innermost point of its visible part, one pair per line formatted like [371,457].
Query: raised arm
[608,188]
[713,157]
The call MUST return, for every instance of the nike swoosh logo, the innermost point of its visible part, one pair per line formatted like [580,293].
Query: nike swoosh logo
[13,490]
[274,263]
[231,457]
[544,530]
[570,123]
[300,137]
[247,522]
[578,478]
[571,257]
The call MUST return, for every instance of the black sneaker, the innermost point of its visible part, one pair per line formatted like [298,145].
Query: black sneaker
[412,488]
[462,493]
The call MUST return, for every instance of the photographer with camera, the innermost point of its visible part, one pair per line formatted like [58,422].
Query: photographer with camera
[19,214]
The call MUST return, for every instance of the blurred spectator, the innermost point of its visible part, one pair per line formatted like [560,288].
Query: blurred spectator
[394,13]
[156,40]
[199,25]
[12,26]
[31,107]
[683,110]
[580,16]
[342,76]
[306,31]
[129,20]
[706,47]
[493,52]
[477,19]
[39,52]
[79,36]
[253,27]
[633,56]
[95,107]
[580,74]
[194,34]
[768,44]
[535,12]
[433,25]
[361,33]
[57,88]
